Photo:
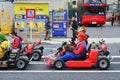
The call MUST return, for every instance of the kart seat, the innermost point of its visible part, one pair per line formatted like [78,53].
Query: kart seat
[89,48]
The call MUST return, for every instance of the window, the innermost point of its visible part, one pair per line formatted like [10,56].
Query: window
[74,2]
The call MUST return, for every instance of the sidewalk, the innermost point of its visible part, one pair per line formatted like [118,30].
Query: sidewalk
[90,40]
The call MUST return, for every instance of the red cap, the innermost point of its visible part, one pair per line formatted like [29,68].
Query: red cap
[81,36]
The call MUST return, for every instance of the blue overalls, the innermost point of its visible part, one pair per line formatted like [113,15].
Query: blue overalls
[70,55]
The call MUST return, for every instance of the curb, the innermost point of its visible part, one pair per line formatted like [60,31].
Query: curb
[90,40]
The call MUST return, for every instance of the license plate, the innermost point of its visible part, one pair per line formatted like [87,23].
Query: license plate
[93,22]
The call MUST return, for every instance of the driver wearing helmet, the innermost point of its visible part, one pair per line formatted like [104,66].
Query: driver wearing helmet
[78,51]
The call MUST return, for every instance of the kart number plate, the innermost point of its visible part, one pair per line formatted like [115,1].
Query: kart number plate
[94,22]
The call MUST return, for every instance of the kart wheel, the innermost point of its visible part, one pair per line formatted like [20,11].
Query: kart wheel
[21,64]
[59,64]
[103,63]
[36,55]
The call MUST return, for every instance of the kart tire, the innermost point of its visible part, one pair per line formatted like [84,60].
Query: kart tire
[59,64]
[36,55]
[103,63]
[21,63]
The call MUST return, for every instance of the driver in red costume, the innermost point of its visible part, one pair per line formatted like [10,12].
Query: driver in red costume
[79,50]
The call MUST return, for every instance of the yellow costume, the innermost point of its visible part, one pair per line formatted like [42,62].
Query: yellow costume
[3,48]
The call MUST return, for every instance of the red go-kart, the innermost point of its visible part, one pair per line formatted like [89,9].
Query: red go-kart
[92,57]
[33,51]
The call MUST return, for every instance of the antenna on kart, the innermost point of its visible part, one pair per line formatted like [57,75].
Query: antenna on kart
[100,34]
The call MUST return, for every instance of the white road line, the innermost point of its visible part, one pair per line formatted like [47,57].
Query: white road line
[115,56]
[44,63]
[50,48]
[37,62]
[33,62]
[63,71]
[115,63]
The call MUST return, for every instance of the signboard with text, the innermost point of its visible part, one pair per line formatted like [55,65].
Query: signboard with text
[30,13]
[59,22]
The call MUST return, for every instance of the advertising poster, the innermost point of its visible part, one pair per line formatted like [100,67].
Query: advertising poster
[59,22]
[41,9]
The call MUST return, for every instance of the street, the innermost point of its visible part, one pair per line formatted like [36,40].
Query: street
[60,76]
[33,33]
[38,71]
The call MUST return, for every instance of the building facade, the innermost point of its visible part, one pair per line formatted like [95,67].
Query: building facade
[53,4]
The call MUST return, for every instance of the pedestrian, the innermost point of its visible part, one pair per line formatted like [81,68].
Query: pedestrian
[73,27]
[47,28]
[112,18]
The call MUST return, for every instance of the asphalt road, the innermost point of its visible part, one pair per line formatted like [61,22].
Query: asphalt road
[60,76]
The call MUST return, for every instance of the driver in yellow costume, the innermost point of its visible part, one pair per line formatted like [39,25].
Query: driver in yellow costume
[3,45]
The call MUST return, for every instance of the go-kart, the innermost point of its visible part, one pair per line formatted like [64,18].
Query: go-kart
[102,46]
[91,57]
[33,51]
[14,59]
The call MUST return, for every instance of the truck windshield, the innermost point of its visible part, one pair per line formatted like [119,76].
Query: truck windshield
[94,1]
[94,11]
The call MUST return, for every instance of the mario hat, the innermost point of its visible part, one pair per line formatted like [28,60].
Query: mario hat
[82,36]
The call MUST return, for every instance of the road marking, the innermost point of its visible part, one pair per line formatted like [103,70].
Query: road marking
[115,56]
[36,62]
[44,62]
[114,62]
[63,71]
[51,48]
[33,62]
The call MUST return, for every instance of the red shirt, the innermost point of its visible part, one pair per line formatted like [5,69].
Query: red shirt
[16,43]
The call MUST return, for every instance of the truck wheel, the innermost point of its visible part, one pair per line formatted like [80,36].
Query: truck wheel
[103,63]
[36,55]
[21,64]
[59,64]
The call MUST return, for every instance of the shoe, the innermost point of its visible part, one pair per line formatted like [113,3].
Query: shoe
[45,39]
